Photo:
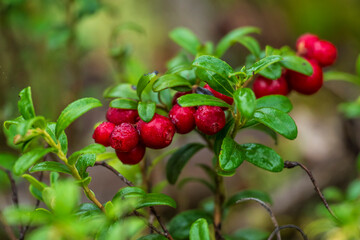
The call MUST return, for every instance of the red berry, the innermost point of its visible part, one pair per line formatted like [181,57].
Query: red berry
[324,52]
[124,137]
[118,115]
[306,84]
[182,118]
[158,133]
[132,157]
[263,86]
[102,133]
[223,97]
[305,44]
[177,95]
[210,119]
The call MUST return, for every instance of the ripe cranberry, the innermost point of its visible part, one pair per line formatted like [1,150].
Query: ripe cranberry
[263,86]
[102,133]
[306,84]
[118,115]
[182,118]
[124,137]
[210,119]
[324,52]
[158,133]
[132,157]
[305,44]
[177,95]
[223,97]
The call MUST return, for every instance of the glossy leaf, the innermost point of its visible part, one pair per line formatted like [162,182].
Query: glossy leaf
[297,64]
[16,121]
[279,102]
[146,110]
[73,111]
[244,99]
[123,103]
[251,44]
[230,39]
[169,81]
[263,157]
[200,230]
[92,148]
[272,71]
[50,129]
[215,65]
[25,104]
[50,166]
[144,81]
[190,100]
[123,90]
[34,182]
[263,196]
[85,161]
[222,134]
[186,39]
[30,158]
[156,199]
[262,64]
[129,192]
[179,159]
[231,155]
[278,121]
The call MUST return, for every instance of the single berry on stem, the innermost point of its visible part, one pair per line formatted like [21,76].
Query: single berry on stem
[124,137]
[306,84]
[263,86]
[182,118]
[210,119]
[158,133]
[102,133]
[132,157]
[118,115]
[228,100]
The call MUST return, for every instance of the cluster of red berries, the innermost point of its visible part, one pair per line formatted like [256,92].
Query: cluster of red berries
[319,53]
[129,135]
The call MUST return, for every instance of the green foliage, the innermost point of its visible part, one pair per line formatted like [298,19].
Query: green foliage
[200,230]
[244,99]
[190,100]
[123,103]
[146,110]
[186,39]
[25,104]
[231,155]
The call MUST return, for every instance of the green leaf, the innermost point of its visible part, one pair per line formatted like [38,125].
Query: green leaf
[353,191]
[37,122]
[30,158]
[144,81]
[342,76]
[251,44]
[33,181]
[179,159]
[231,155]
[169,81]
[230,39]
[179,226]
[92,148]
[263,196]
[146,110]
[153,237]
[263,157]
[244,99]
[36,193]
[273,71]
[129,192]
[200,230]
[216,73]
[262,64]
[279,102]
[277,120]
[123,90]
[186,39]
[155,199]
[7,160]
[50,166]
[222,134]
[73,111]
[350,109]
[297,64]
[25,104]
[85,161]
[180,61]
[190,100]
[50,129]
[16,121]
[123,103]
[251,234]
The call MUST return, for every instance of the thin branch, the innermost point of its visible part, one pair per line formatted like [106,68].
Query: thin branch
[152,227]
[166,232]
[278,229]
[290,164]
[7,228]
[268,209]
[14,190]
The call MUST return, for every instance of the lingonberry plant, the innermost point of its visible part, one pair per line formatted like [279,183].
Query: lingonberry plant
[202,94]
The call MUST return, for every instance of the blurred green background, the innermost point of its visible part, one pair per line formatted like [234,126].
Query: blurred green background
[69,49]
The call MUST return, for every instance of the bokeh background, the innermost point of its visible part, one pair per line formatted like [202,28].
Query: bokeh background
[63,50]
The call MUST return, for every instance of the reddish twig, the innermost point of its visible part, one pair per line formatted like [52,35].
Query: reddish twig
[290,164]
[278,229]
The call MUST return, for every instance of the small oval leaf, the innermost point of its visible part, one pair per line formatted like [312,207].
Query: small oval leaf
[123,103]
[279,102]
[200,230]
[50,166]
[146,110]
[231,155]
[25,104]
[244,99]
[190,100]
[169,81]
[186,39]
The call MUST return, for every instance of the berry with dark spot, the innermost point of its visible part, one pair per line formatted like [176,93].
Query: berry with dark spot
[118,115]
[182,118]
[223,97]
[102,133]
[124,137]
[132,157]
[209,119]
[158,133]
[263,86]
